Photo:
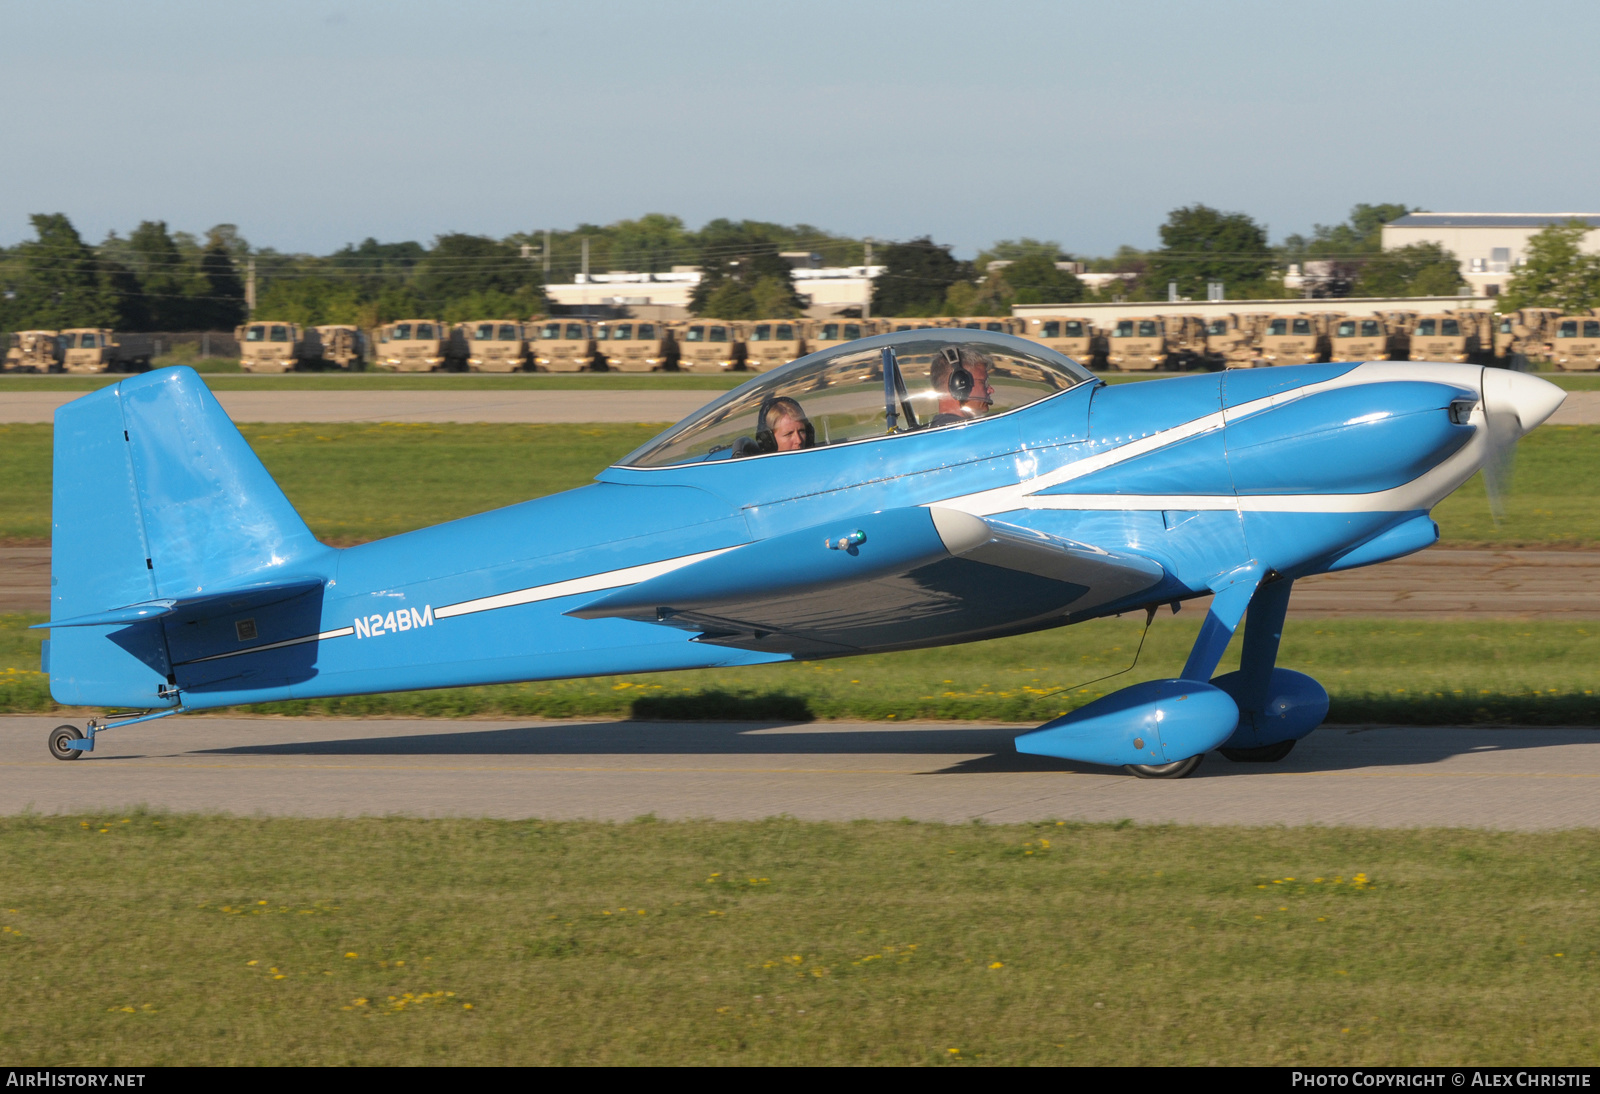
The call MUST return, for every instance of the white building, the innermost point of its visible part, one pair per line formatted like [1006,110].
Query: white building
[1489,245]
[825,290]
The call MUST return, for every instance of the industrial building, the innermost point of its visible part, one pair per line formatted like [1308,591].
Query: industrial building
[1489,245]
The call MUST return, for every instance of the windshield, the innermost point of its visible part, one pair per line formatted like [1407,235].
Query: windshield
[937,378]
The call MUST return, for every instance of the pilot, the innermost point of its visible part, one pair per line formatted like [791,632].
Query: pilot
[784,427]
[960,375]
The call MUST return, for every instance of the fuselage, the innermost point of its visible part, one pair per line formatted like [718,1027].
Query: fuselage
[1301,469]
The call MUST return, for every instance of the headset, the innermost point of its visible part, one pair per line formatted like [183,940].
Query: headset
[960,383]
[765,438]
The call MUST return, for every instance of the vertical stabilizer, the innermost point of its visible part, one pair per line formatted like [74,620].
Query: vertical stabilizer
[156,497]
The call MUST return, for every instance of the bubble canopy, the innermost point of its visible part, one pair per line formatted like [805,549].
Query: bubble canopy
[887,385]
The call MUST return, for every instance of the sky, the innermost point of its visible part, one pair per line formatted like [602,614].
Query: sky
[315,123]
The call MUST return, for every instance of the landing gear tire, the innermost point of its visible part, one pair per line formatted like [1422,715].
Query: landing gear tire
[1266,754]
[59,737]
[1180,770]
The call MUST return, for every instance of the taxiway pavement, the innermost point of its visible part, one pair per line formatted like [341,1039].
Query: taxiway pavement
[1379,776]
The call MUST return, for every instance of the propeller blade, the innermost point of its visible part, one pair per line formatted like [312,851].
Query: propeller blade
[1502,431]
[1513,404]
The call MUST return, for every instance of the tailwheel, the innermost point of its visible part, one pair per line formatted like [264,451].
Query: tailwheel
[59,737]
[1266,754]
[1182,769]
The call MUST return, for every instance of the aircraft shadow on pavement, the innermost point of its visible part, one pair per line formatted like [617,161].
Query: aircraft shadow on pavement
[653,738]
[986,749]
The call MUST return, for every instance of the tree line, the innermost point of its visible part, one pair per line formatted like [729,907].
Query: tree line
[157,279]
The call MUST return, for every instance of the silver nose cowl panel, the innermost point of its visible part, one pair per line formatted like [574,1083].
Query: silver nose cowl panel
[1528,399]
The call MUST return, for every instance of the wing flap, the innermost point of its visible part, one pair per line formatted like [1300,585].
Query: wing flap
[917,576]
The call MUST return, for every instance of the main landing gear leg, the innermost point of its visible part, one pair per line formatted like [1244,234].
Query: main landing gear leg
[1276,706]
[1263,631]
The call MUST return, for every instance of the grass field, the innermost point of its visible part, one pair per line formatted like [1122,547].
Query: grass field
[1396,672]
[138,939]
[359,482]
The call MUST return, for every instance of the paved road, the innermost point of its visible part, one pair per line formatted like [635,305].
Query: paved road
[1581,407]
[1437,584]
[1378,776]
[411,406]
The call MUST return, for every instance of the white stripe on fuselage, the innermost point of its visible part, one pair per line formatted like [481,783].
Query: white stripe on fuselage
[594,583]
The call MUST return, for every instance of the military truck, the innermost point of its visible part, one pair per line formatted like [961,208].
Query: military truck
[828,333]
[563,345]
[495,345]
[1356,338]
[1521,337]
[1295,339]
[1074,337]
[339,345]
[1231,340]
[894,325]
[420,345]
[633,345]
[98,349]
[989,322]
[1187,342]
[1451,336]
[271,347]
[1576,343]
[34,351]
[774,342]
[1137,344]
[711,345]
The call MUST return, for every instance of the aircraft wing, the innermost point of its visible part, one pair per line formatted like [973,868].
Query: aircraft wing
[898,577]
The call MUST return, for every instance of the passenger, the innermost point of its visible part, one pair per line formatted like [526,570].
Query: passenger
[960,375]
[784,427]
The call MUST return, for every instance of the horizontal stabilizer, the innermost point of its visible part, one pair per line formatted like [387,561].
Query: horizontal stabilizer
[253,595]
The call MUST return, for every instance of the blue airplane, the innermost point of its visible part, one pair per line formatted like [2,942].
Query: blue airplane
[902,491]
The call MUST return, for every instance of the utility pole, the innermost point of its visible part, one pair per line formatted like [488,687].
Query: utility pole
[585,258]
[866,307]
[250,287]
[547,254]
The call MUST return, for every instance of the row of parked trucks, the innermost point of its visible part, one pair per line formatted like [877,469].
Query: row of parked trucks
[1136,343]
[1520,339]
